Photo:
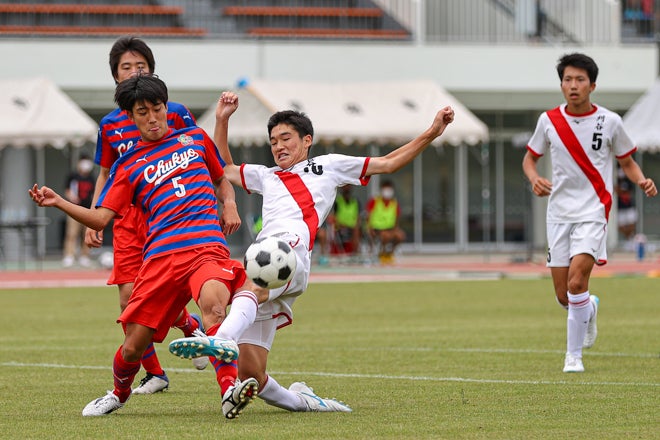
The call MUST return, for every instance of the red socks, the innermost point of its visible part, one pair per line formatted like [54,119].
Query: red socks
[124,374]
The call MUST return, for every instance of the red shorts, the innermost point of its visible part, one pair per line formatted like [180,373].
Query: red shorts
[128,236]
[166,284]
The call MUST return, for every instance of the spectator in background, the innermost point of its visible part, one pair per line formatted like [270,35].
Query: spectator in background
[79,190]
[383,222]
[341,233]
[641,13]
[347,226]
[626,210]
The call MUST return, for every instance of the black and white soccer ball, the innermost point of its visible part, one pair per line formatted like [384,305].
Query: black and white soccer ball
[270,262]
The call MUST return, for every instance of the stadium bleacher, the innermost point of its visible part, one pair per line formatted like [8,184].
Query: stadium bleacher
[338,19]
[25,18]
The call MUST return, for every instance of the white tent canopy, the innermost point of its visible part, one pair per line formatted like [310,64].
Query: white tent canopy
[35,112]
[642,121]
[360,112]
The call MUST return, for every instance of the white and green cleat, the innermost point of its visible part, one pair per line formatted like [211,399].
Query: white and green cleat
[197,346]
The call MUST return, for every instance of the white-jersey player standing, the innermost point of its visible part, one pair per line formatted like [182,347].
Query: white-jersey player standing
[298,193]
[583,140]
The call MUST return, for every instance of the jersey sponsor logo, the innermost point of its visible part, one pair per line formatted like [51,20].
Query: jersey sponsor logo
[142,159]
[157,173]
[120,133]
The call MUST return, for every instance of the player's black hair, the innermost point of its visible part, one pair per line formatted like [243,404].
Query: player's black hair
[130,44]
[140,88]
[580,61]
[298,120]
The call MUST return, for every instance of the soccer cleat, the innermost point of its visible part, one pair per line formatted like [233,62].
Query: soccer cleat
[592,329]
[151,384]
[103,405]
[573,364]
[238,396]
[200,362]
[67,261]
[201,345]
[316,403]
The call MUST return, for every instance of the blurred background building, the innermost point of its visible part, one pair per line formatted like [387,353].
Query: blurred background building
[495,57]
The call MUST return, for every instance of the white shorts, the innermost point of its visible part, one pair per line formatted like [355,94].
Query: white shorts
[627,216]
[566,240]
[277,312]
[261,333]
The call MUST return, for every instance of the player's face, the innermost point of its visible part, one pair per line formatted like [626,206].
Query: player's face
[287,146]
[576,87]
[150,119]
[130,63]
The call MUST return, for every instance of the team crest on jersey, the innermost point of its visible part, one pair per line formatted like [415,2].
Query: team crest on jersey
[316,169]
[185,140]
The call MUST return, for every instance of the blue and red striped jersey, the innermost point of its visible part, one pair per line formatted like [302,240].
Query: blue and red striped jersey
[118,134]
[172,182]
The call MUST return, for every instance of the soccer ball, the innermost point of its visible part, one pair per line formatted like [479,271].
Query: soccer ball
[270,262]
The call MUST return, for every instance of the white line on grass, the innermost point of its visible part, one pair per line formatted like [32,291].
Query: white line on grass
[531,351]
[507,351]
[364,376]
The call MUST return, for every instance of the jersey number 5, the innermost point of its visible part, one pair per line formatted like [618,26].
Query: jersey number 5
[180,189]
[597,141]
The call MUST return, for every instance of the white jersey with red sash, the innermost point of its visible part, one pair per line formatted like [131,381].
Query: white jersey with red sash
[582,149]
[296,202]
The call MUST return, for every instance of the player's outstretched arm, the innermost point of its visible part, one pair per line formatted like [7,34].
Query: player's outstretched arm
[227,105]
[96,219]
[403,155]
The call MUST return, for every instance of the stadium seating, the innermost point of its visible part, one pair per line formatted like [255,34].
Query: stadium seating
[274,32]
[96,19]
[307,11]
[311,19]
[319,21]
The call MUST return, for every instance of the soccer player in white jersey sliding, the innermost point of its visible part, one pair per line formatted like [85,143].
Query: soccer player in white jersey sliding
[583,139]
[298,193]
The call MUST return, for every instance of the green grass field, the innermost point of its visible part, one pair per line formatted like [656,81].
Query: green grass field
[440,360]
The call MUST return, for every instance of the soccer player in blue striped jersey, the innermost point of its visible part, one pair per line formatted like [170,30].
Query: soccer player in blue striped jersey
[117,135]
[175,177]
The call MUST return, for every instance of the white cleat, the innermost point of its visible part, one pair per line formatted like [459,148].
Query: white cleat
[102,406]
[573,364]
[152,384]
[316,403]
[238,396]
[592,329]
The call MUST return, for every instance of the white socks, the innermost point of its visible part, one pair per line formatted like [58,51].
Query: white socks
[241,315]
[275,394]
[579,313]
